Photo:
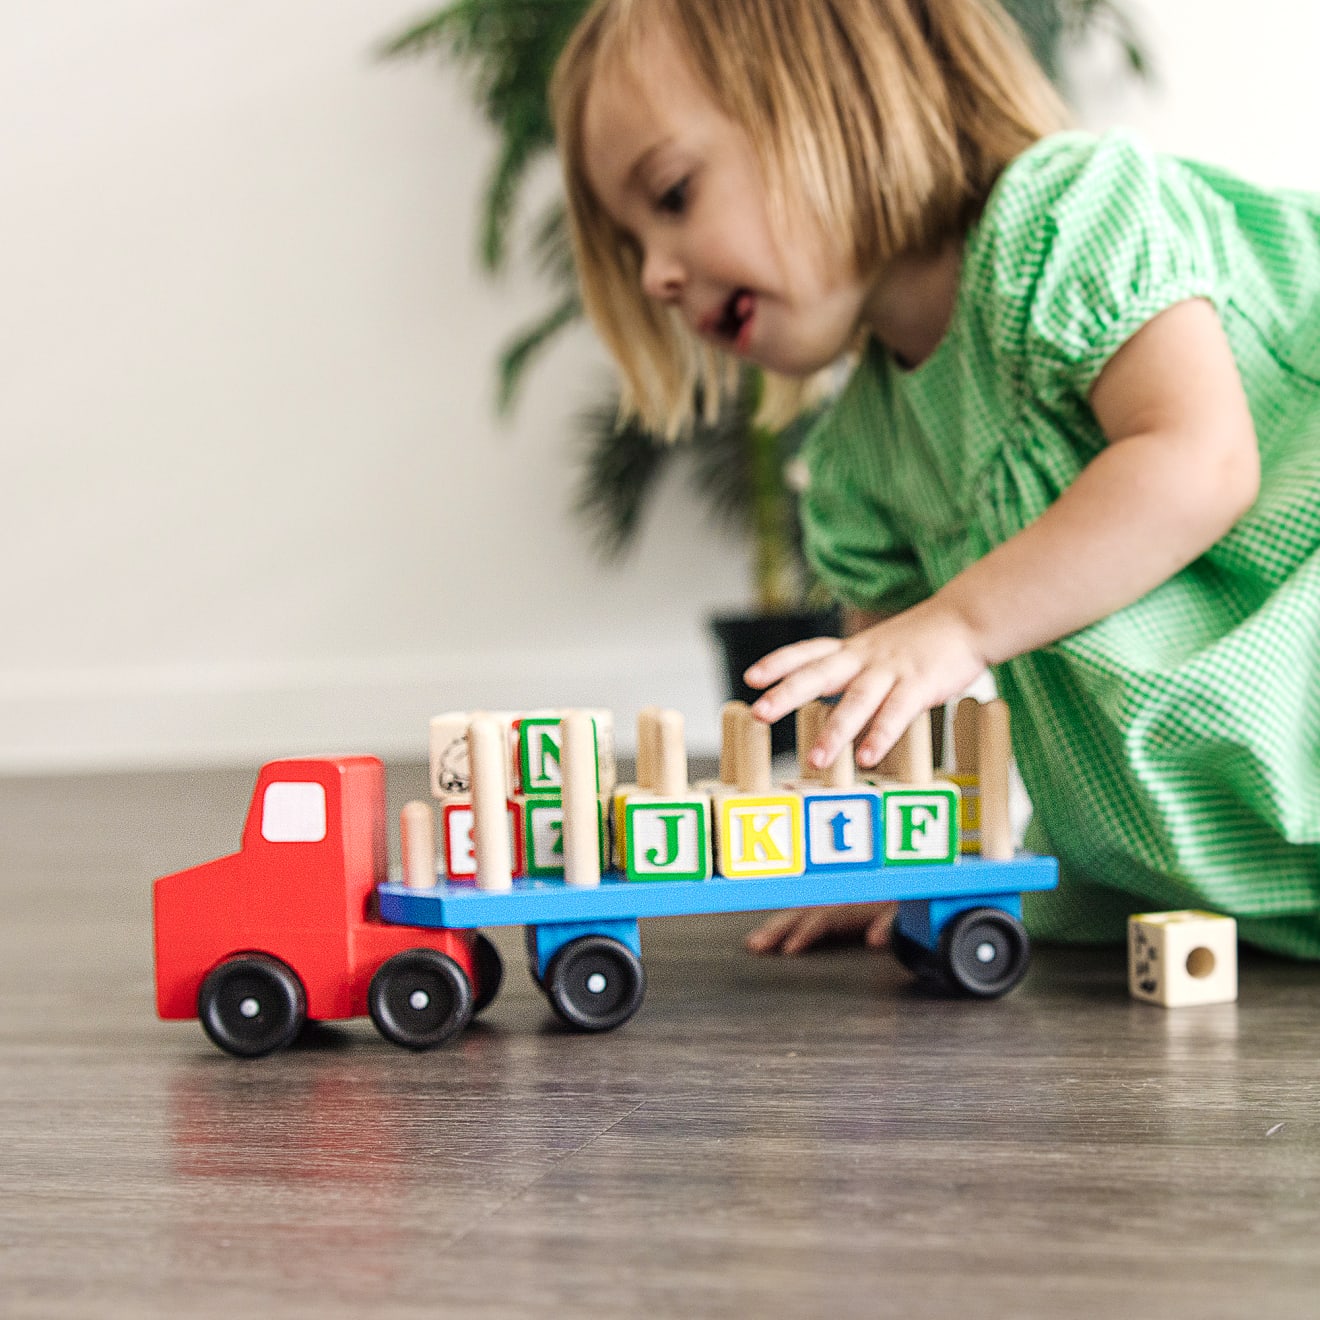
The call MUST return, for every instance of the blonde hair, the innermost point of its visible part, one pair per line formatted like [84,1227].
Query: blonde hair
[884,123]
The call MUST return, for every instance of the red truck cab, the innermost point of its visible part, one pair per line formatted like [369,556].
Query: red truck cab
[287,930]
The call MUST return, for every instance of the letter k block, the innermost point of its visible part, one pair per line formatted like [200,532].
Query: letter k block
[760,835]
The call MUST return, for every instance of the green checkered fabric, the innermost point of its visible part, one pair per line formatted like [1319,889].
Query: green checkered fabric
[1172,750]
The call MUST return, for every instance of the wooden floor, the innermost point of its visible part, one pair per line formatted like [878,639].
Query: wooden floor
[766,1138]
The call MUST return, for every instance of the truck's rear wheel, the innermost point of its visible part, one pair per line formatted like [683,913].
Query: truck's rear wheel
[595,983]
[985,952]
[252,1005]
[419,999]
[490,971]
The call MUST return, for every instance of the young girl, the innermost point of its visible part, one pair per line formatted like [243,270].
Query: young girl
[1081,443]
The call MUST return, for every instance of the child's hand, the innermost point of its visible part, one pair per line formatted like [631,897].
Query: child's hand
[801,928]
[888,674]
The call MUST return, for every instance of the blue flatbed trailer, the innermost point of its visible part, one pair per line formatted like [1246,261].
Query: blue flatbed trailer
[959,923]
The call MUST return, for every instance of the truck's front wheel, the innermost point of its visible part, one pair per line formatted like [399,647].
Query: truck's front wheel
[252,1005]
[419,999]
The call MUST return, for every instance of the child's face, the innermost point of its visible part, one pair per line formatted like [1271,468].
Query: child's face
[683,180]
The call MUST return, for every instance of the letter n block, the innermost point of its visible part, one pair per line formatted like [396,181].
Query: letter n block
[843,828]
[540,742]
[667,838]
[760,834]
[920,823]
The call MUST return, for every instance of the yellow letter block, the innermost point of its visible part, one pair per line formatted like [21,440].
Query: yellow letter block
[760,835]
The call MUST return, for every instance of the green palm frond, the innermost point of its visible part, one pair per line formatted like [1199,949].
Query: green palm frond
[508,48]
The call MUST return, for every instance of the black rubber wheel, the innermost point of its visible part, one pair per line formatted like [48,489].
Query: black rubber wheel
[984,952]
[419,999]
[595,983]
[490,972]
[252,1005]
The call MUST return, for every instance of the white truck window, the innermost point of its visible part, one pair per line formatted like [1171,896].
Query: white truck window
[293,813]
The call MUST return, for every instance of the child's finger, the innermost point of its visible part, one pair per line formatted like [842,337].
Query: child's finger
[769,934]
[862,697]
[771,668]
[886,726]
[877,933]
[821,678]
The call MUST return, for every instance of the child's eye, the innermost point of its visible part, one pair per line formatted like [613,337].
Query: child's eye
[673,200]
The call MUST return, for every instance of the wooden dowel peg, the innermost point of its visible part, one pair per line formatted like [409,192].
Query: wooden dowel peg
[488,759]
[672,775]
[581,821]
[994,748]
[417,845]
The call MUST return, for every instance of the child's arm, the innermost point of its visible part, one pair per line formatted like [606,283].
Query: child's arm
[1180,467]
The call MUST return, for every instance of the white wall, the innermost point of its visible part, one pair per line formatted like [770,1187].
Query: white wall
[252,496]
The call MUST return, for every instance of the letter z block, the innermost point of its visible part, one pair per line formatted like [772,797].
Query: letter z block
[760,835]
[843,828]
[542,817]
[1181,958]
[667,838]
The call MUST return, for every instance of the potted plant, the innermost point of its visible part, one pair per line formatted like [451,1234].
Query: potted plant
[745,471]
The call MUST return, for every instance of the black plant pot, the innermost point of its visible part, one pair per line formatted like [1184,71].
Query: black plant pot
[745,638]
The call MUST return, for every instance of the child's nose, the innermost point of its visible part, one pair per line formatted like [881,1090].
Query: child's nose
[662,276]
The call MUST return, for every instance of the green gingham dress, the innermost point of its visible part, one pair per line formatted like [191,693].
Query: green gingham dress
[1172,750]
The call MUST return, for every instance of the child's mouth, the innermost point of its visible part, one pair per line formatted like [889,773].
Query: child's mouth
[736,317]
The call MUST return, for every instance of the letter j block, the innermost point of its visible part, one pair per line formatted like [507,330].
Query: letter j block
[667,839]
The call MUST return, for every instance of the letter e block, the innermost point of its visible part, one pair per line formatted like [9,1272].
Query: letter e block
[843,828]
[459,842]
[667,838]
[1181,958]
[760,835]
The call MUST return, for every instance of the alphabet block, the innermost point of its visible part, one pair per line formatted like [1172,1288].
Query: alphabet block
[540,744]
[844,827]
[667,838]
[760,834]
[541,817]
[920,822]
[1181,958]
[969,811]
[459,848]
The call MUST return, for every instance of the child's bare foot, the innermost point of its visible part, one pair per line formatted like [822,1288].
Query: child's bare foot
[800,929]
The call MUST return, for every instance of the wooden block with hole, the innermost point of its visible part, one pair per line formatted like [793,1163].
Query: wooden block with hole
[1181,958]
[541,828]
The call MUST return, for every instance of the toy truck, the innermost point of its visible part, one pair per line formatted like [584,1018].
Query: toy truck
[303,922]
[287,929]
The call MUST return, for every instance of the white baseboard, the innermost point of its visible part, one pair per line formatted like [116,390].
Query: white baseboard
[65,721]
